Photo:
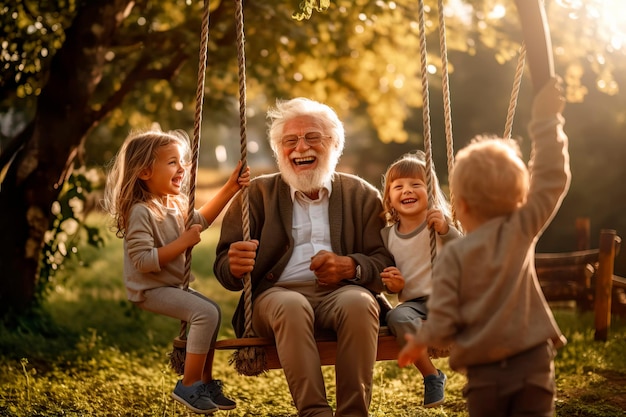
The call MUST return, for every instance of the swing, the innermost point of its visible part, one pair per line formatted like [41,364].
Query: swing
[255,355]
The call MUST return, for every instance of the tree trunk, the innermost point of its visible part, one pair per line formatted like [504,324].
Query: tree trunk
[53,139]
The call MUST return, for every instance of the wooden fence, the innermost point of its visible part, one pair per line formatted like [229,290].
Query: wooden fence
[586,276]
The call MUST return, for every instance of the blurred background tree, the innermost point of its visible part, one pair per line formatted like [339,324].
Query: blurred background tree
[77,75]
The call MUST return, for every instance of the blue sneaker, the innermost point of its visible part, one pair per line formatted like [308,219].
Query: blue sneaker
[194,397]
[434,389]
[214,390]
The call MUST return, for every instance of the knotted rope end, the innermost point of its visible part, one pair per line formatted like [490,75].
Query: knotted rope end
[249,361]
[177,355]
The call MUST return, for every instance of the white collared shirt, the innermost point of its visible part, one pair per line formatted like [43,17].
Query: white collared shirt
[311,233]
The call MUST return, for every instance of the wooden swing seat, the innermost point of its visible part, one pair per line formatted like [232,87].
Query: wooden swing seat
[388,348]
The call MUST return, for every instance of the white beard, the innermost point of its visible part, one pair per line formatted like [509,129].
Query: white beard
[310,180]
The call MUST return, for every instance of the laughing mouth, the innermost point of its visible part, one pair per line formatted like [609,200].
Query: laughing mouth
[409,201]
[304,161]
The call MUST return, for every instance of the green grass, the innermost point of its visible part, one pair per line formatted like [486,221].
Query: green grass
[97,355]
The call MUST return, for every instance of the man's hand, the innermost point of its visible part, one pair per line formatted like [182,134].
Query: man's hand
[241,256]
[330,268]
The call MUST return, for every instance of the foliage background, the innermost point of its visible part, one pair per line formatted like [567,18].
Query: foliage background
[78,75]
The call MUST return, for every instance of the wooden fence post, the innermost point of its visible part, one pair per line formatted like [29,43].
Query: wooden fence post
[604,283]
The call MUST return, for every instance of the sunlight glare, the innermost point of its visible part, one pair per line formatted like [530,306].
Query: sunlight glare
[498,12]
[613,15]
[463,12]
[610,15]
[253,146]
[220,153]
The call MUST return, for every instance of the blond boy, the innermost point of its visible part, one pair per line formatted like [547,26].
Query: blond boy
[486,298]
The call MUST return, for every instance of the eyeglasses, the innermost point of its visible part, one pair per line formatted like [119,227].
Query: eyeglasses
[310,138]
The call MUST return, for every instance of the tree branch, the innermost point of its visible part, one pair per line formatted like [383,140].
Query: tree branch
[139,73]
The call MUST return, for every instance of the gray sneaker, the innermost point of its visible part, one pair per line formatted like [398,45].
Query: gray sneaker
[214,390]
[194,397]
[434,389]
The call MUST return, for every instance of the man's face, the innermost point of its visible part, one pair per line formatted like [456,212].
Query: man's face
[311,162]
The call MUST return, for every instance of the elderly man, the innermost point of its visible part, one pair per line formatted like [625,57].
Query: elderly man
[315,258]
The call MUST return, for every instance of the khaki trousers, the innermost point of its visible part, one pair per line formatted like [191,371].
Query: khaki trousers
[291,312]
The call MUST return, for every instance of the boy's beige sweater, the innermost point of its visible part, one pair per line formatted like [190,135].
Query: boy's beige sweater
[486,298]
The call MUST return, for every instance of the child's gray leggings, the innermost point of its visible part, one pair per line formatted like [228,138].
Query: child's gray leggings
[203,316]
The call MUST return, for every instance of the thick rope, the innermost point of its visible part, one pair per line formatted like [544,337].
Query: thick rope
[430,184]
[245,216]
[249,360]
[195,143]
[176,360]
[519,72]
[447,113]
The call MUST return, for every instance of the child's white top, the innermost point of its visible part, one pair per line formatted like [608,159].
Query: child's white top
[411,252]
